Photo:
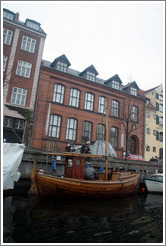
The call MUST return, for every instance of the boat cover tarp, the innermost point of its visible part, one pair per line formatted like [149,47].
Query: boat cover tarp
[98,148]
[12,156]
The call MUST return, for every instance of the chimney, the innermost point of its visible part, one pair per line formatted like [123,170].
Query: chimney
[17,16]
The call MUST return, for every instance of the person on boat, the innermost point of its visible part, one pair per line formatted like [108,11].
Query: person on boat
[90,173]
[68,148]
[86,149]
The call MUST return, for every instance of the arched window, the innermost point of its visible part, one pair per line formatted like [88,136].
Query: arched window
[87,131]
[114,137]
[100,132]
[132,145]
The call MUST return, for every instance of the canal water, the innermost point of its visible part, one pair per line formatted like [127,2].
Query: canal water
[36,219]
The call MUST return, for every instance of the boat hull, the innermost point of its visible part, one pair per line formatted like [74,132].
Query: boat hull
[51,185]
[154,186]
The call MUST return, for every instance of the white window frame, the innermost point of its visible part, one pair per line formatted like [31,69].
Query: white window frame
[23,69]
[71,129]
[161,121]
[74,97]
[19,124]
[32,25]
[133,91]
[61,66]
[90,76]
[101,131]
[114,136]
[161,108]
[8,16]
[115,85]
[87,131]
[7,36]
[55,126]
[28,44]
[58,95]
[134,113]
[89,101]
[18,96]
[5,58]
[115,108]
[102,105]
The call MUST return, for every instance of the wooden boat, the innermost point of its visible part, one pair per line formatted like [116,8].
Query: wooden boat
[119,184]
[154,183]
[114,184]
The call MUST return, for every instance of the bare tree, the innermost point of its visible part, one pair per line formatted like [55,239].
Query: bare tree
[130,119]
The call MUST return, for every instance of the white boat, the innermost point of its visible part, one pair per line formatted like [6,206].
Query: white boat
[12,156]
[154,183]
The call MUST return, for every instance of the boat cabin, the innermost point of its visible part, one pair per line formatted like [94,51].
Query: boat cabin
[74,167]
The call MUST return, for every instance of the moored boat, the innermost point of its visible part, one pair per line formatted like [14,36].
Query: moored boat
[154,183]
[119,184]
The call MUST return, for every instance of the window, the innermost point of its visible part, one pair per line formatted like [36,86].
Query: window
[61,66]
[102,106]
[154,132]
[148,148]
[134,113]
[89,99]
[133,91]
[74,98]
[161,137]
[160,97]
[154,116]
[8,122]
[148,130]
[14,123]
[161,121]
[86,131]
[90,76]
[28,44]
[160,107]
[115,85]
[19,124]
[23,69]
[148,114]
[7,36]
[58,93]
[19,96]
[32,25]
[100,132]
[4,62]
[54,127]
[154,149]
[115,108]
[8,15]
[114,137]
[71,129]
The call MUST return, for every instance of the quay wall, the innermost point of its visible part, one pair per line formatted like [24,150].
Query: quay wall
[43,161]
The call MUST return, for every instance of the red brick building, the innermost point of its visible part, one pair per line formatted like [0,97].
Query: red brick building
[23,44]
[70,108]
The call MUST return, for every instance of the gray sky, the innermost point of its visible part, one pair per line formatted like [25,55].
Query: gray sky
[118,37]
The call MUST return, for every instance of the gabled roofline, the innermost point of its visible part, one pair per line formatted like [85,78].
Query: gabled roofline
[89,68]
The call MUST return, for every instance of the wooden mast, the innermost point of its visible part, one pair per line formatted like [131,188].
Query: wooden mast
[106,145]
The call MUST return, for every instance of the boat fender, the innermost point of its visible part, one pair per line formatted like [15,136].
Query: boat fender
[54,165]
[41,171]
[101,169]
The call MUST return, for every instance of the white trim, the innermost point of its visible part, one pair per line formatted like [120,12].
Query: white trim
[10,63]
[48,118]
[37,72]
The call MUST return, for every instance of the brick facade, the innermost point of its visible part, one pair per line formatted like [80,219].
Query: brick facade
[46,107]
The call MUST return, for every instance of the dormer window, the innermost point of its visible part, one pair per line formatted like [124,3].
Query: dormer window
[115,85]
[61,66]
[90,76]
[8,15]
[133,91]
[32,25]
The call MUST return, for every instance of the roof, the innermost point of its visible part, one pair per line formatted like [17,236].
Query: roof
[152,89]
[115,77]
[89,68]
[23,24]
[12,113]
[62,57]
[131,84]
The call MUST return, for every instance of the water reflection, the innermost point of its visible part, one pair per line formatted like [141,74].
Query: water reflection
[126,220]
